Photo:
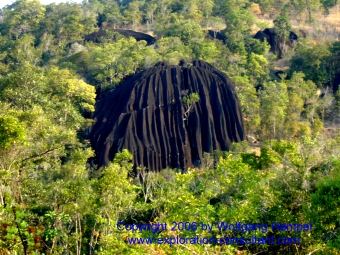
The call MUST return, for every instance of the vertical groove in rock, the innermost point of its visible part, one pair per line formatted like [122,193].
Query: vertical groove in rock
[145,115]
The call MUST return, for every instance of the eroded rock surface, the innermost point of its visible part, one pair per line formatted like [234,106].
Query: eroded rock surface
[146,115]
[217,35]
[96,36]
[277,45]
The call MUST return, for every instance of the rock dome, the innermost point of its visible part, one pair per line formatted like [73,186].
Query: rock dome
[146,114]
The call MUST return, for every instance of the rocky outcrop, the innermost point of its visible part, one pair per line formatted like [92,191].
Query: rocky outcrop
[277,45]
[147,116]
[96,36]
[261,36]
[137,35]
[293,37]
[214,35]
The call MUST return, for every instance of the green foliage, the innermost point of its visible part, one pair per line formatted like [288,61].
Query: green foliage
[172,50]
[11,131]
[67,22]
[282,27]
[257,66]
[257,47]
[192,98]
[187,30]
[54,89]
[109,64]
[250,103]
[328,4]
[188,103]
[23,18]
[274,101]
[124,159]
[18,233]
[294,108]
[116,195]
[300,115]
[132,14]
[208,51]
[216,24]
[323,208]
[311,59]
[238,27]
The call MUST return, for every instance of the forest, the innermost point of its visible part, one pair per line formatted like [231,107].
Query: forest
[58,60]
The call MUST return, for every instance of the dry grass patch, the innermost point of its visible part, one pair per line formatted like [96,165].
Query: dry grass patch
[324,28]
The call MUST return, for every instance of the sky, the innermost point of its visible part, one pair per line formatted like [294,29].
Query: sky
[6,2]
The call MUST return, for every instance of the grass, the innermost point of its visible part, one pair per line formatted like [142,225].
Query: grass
[324,28]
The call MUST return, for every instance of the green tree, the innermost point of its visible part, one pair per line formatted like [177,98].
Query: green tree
[42,163]
[188,31]
[67,22]
[109,64]
[282,28]
[189,102]
[323,209]
[258,67]
[172,50]
[328,4]
[12,131]
[150,10]
[238,27]
[191,10]
[311,59]
[132,14]
[274,100]
[22,17]
[23,51]
[90,15]
[225,8]
[111,14]
[256,46]
[250,103]
[208,51]
[216,24]
[206,6]
[303,101]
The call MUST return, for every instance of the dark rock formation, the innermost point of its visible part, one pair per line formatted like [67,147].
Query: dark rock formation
[271,35]
[279,73]
[96,36]
[137,35]
[261,36]
[277,45]
[293,37]
[217,35]
[146,115]
[259,87]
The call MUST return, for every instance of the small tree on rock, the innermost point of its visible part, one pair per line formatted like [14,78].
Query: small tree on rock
[188,102]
